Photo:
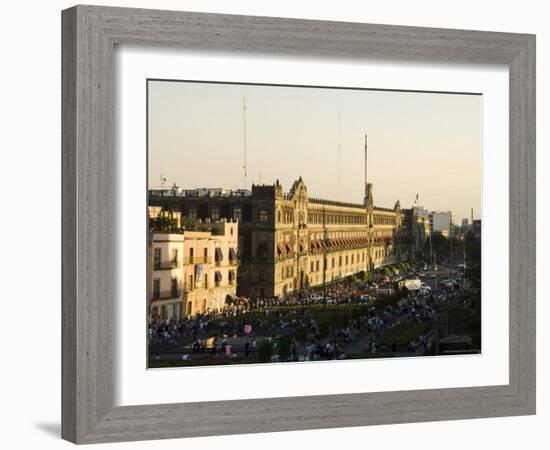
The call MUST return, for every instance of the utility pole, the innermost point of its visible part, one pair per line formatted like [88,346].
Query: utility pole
[244,143]
[366,178]
[451,241]
[431,256]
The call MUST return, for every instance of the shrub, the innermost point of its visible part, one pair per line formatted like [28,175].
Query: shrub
[265,351]
[300,334]
[324,329]
[284,343]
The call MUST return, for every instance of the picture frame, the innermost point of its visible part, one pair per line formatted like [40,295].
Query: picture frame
[89,36]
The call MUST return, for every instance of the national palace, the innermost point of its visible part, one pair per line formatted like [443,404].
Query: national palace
[289,241]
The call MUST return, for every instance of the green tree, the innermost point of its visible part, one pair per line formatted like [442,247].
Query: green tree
[284,342]
[324,329]
[300,334]
[265,351]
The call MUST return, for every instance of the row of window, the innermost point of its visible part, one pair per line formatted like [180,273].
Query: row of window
[381,220]
[174,261]
[175,290]
[353,219]
[286,215]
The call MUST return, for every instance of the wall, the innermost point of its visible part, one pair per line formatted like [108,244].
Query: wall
[30,328]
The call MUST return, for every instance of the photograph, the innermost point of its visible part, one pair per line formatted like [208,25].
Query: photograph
[299,224]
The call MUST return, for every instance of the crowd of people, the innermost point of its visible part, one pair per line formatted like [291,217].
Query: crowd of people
[267,318]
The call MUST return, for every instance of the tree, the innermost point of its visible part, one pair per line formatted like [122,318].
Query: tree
[284,343]
[300,334]
[324,329]
[265,351]
[162,223]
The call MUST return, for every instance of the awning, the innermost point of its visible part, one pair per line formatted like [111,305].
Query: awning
[232,254]
[302,246]
[289,247]
[229,299]
[280,249]
[219,254]
[218,276]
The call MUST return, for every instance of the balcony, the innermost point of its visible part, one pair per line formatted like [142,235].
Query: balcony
[166,265]
[197,260]
[165,295]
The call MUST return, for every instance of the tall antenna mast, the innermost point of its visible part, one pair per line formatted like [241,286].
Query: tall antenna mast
[244,142]
[339,148]
[366,178]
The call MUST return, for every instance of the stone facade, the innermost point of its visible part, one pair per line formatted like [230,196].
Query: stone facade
[192,272]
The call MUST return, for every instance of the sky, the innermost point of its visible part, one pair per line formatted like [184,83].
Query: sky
[418,143]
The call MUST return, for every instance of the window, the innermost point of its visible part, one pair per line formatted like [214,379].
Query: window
[191,254]
[156,288]
[190,283]
[174,287]
[317,266]
[263,216]
[312,269]
[192,212]
[174,256]
[156,259]
[215,213]
[205,254]
[205,281]
[340,261]
[237,214]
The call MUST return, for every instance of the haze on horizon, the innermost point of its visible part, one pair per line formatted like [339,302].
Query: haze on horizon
[418,143]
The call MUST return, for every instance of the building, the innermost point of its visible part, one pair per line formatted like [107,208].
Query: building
[441,221]
[289,241]
[192,272]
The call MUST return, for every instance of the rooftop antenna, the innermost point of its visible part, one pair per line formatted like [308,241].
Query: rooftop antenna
[366,178]
[244,143]
[339,147]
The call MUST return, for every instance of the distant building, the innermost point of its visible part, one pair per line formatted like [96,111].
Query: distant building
[465,222]
[441,221]
[476,228]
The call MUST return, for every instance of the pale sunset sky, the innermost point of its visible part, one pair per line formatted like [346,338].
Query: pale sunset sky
[425,143]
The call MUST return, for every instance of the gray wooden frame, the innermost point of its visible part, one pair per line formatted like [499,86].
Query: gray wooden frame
[89,35]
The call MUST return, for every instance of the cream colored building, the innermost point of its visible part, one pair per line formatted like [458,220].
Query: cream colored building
[193,271]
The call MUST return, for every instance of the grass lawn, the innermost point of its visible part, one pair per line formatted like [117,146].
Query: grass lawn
[404,332]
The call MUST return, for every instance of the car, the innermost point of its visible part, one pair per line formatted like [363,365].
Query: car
[433,275]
